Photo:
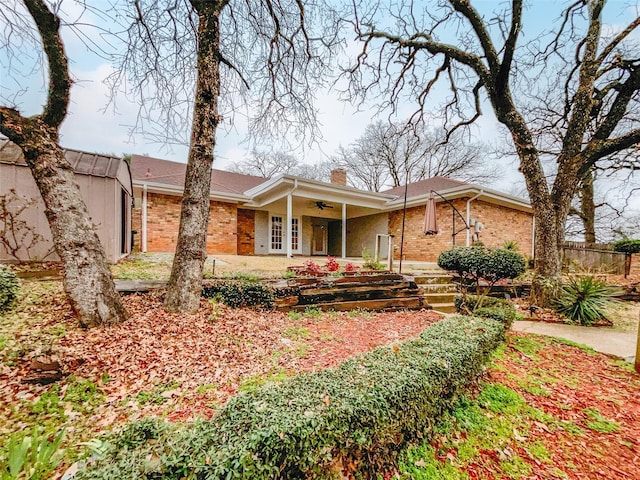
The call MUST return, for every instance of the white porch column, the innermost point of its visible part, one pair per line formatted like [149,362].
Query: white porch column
[143,233]
[344,230]
[289,227]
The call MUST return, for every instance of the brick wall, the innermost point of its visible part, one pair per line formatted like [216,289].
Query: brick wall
[246,232]
[163,220]
[500,224]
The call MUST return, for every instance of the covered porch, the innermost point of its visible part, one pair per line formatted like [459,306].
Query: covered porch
[293,216]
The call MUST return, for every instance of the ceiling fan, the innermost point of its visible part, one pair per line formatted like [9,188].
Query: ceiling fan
[322,205]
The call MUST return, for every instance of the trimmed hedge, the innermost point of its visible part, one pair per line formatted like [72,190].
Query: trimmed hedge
[8,287]
[350,419]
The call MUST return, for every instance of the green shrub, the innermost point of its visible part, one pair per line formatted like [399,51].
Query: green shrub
[584,300]
[627,246]
[480,263]
[240,293]
[487,307]
[8,287]
[355,416]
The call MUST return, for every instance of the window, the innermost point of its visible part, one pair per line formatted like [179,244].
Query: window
[295,235]
[277,233]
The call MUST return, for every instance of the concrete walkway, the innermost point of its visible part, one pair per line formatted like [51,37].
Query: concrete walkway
[601,339]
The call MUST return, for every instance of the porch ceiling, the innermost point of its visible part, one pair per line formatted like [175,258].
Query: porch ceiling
[306,206]
[306,190]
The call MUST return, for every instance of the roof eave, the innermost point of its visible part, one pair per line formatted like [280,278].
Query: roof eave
[178,190]
[460,191]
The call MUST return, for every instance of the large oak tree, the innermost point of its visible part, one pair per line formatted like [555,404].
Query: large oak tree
[267,52]
[478,58]
[87,278]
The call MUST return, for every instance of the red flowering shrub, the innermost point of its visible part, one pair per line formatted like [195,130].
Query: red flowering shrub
[332,264]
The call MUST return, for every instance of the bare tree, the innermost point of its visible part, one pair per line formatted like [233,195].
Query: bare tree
[266,51]
[268,164]
[480,60]
[87,278]
[390,154]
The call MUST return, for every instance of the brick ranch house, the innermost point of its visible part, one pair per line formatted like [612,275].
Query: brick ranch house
[288,215]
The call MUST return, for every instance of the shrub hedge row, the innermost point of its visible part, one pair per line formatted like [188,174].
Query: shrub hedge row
[351,419]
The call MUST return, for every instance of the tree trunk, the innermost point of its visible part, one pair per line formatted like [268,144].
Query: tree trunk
[87,279]
[185,285]
[588,208]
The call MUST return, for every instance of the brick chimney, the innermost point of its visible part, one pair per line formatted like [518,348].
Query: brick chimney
[339,176]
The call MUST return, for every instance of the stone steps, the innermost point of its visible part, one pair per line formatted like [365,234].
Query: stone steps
[438,291]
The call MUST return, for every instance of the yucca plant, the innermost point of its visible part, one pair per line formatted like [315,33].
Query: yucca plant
[584,300]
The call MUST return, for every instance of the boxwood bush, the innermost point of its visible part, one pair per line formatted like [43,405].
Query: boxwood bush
[8,287]
[348,420]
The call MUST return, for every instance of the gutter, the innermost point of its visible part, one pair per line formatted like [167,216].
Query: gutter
[469,214]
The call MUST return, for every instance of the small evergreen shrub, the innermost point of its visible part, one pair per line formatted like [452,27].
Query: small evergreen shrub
[240,293]
[584,300]
[487,307]
[627,246]
[352,419]
[8,287]
[480,263]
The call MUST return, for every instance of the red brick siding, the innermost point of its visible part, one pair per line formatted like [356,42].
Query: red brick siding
[500,224]
[246,232]
[163,221]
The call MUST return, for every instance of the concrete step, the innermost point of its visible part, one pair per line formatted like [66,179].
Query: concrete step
[438,278]
[438,287]
[432,298]
[443,307]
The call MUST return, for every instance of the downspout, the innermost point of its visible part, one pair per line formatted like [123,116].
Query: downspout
[533,236]
[143,234]
[469,215]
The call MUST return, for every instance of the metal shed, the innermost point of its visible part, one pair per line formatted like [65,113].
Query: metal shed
[105,184]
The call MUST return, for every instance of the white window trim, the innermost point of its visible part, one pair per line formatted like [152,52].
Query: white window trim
[284,234]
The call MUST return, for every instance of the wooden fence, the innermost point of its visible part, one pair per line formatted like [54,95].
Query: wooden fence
[595,258]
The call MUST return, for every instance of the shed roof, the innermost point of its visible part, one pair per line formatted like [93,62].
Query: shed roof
[155,170]
[84,163]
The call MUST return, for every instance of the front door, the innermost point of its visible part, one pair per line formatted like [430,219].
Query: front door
[319,243]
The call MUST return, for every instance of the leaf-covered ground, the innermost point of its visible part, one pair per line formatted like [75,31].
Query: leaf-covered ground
[170,365]
[544,409]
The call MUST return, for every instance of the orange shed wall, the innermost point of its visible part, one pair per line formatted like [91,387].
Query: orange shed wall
[500,225]
[163,220]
